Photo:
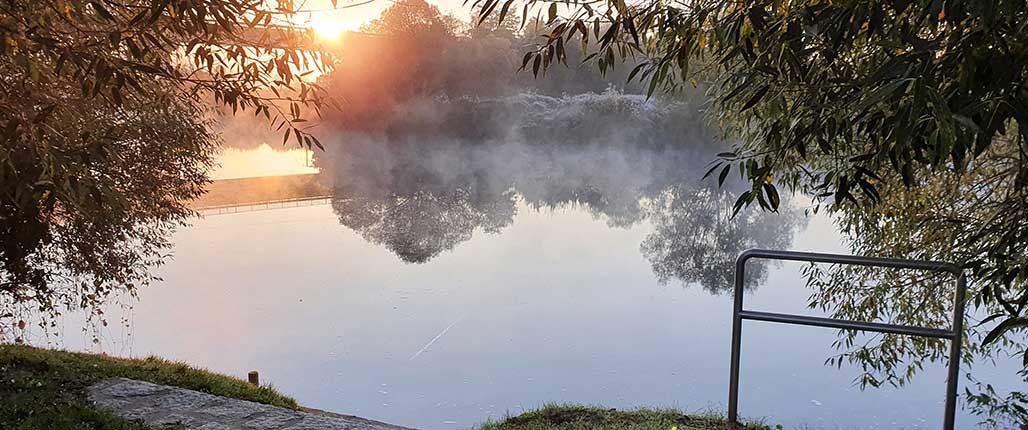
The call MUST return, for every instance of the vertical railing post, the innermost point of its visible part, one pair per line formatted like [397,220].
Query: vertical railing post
[954,334]
[954,353]
[733,387]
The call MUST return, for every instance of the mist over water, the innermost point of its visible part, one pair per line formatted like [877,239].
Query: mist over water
[484,256]
[453,168]
[464,243]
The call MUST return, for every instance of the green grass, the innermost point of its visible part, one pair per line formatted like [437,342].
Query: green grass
[46,389]
[576,417]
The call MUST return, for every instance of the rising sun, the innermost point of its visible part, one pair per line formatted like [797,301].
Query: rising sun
[331,28]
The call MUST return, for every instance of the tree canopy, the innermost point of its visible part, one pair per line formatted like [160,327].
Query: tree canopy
[833,93]
[413,19]
[105,130]
[907,118]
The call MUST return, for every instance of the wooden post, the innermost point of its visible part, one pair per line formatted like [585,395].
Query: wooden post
[254,378]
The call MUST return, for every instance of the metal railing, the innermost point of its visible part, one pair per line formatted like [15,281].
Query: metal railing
[265,205]
[954,334]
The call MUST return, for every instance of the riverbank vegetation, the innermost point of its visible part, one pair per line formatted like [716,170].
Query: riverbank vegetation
[578,417]
[856,105]
[46,389]
[905,118]
[106,132]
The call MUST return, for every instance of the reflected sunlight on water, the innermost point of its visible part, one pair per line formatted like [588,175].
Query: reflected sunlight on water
[262,161]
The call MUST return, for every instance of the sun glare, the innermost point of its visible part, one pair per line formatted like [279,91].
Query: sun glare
[330,28]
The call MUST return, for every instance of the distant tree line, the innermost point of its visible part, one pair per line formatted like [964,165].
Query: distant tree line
[414,51]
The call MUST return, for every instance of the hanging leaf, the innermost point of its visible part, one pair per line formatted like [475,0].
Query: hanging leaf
[759,94]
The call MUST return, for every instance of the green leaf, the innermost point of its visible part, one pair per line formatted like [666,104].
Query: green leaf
[723,175]
[879,95]
[711,170]
[635,70]
[487,8]
[503,10]
[525,60]
[735,91]
[755,98]
[101,10]
[630,26]
[148,69]
[743,200]
[772,196]
[1003,327]
[157,8]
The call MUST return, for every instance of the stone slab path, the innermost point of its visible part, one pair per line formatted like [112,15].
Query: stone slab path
[177,408]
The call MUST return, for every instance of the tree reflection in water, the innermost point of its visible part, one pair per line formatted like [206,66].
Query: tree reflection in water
[695,239]
[419,224]
[421,198]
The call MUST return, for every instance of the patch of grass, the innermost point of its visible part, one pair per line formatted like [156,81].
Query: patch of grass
[577,417]
[46,389]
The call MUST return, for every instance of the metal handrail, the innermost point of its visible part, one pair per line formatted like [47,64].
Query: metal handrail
[954,334]
[271,204]
[262,202]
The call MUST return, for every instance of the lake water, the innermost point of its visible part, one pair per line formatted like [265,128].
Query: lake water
[442,288]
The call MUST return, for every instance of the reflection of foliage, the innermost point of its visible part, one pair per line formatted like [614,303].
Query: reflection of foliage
[971,219]
[619,206]
[131,171]
[104,135]
[420,225]
[626,159]
[855,89]
[849,102]
[695,238]
[422,196]
[901,297]
[1000,411]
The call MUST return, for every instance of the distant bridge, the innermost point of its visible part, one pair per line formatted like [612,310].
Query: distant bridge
[263,206]
[261,193]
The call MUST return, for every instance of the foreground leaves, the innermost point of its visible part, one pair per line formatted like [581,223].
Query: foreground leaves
[105,131]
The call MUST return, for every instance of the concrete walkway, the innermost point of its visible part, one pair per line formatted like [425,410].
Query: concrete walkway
[176,408]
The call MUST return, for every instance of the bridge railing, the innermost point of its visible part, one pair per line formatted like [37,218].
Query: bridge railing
[265,205]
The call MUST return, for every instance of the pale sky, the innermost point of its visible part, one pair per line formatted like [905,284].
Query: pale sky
[351,14]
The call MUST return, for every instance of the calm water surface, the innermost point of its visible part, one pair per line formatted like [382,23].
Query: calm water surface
[443,288]
[559,307]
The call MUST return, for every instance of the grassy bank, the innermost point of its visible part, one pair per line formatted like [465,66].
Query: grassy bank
[46,389]
[576,417]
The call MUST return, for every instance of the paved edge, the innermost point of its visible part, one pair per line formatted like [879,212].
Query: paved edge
[176,407]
